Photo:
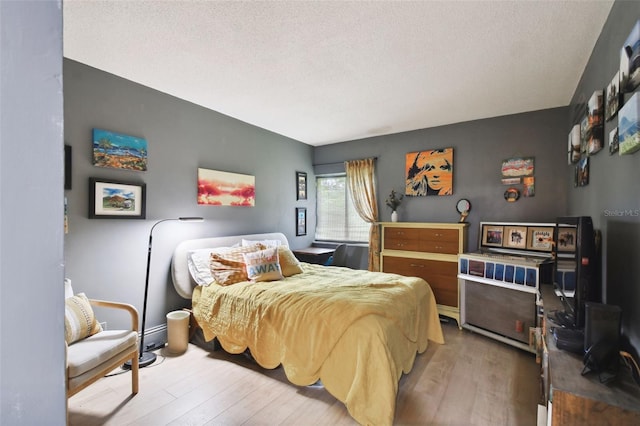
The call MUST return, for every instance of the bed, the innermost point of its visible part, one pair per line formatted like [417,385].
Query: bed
[355,331]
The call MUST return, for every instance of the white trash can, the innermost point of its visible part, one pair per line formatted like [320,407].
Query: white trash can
[177,331]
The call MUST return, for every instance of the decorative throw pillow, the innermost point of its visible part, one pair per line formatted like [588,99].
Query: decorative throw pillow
[79,320]
[266,243]
[263,265]
[228,267]
[289,264]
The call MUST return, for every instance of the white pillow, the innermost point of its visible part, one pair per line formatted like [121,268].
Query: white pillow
[266,243]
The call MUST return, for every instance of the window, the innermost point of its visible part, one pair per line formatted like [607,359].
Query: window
[337,218]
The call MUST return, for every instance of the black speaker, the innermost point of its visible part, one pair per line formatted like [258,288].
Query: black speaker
[601,339]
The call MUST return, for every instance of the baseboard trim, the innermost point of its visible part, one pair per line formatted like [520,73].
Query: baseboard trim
[155,337]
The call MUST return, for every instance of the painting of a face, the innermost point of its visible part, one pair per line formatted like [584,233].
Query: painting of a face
[429,172]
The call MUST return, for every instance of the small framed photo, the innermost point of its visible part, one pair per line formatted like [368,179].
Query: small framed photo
[540,238]
[301,185]
[566,239]
[301,221]
[515,237]
[492,235]
[110,199]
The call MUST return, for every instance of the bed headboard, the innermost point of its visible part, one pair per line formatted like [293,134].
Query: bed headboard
[182,280]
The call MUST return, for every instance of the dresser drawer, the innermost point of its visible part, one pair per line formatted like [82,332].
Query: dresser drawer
[425,240]
[441,276]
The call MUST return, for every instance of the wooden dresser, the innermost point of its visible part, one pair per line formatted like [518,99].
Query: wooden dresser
[429,251]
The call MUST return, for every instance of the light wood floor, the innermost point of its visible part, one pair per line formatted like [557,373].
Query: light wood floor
[471,380]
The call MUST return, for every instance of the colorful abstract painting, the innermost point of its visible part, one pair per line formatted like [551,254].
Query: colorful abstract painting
[217,188]
[119,151]
[429,172]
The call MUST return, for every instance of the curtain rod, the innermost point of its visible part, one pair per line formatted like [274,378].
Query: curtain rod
[341,162]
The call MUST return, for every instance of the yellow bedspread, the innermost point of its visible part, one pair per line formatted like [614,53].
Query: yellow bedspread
[355,330]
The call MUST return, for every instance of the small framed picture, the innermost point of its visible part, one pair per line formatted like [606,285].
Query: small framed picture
[515,237]
[301,221]
[540,238]
[67,167]
[116,200]
[301,185]
[566,239]
[492,235]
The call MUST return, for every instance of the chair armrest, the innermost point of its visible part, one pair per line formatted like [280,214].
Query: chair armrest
[118,305]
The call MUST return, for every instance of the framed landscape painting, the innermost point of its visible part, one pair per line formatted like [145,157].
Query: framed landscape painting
[217,188]
[110,199]
[119,151]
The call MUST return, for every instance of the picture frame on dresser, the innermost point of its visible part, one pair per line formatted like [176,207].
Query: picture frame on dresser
[515,237]
[540,238]
[492,235]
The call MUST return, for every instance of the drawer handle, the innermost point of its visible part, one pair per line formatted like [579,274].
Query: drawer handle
[416,265]
[400,245]
[438,235]
[439,247]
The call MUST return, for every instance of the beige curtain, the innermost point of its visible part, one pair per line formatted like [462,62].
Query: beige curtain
[361,181]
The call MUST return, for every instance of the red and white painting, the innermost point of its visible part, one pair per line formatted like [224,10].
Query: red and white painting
[217,188]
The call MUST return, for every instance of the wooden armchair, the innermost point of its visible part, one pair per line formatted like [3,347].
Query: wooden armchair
[91,358]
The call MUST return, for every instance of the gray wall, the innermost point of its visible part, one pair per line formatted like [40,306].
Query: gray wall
[106,258]
[32,353]
[612,197]
[479,148]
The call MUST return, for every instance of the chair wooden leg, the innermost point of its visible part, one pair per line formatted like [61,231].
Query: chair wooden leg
[134,374]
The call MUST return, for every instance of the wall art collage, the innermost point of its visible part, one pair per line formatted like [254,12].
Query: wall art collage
[587,137]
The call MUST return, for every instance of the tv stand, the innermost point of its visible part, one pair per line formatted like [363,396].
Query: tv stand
[574,398]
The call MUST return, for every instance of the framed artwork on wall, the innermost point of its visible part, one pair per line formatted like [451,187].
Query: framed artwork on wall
[217,188]
[429,172]
[301,186]
[111,149]
[628,126]
[574,145]
[613,141]
[67,167]
[109,199]
[301,221]
[517,167]
[629,65]
[612,97]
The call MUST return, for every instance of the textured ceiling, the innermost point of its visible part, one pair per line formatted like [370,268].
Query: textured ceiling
[324,72]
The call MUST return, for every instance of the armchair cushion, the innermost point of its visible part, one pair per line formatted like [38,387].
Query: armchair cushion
[93,351]
[79,320]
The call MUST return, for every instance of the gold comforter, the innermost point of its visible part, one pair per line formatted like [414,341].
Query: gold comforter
[357,331]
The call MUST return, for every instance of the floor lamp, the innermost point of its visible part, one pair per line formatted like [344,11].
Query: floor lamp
[146,358]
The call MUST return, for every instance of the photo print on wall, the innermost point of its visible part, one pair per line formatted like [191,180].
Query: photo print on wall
[628,126]
[630,61]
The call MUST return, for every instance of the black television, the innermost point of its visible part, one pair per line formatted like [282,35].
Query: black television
[575,269]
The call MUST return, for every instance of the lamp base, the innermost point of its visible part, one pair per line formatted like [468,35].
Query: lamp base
[147,358]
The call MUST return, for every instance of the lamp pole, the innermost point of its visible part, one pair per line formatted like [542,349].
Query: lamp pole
[147,358]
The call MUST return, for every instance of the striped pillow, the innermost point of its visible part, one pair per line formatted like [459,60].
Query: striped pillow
[79,320]
[229,267]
